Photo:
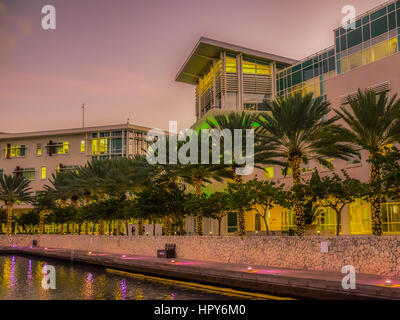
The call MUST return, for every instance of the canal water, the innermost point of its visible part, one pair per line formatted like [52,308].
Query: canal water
[21,279]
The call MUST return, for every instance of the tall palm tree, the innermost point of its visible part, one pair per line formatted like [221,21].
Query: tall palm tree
[295,130]
[372,122]
[232,121]
[43,202]
[13,188]
[199,174]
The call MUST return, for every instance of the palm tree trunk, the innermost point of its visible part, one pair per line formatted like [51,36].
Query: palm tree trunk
[119,227]
[9,217]
[86,227]
[376,215]
[41,221]
[62,228]
[240,213]
[338,218]
[140,227]
[199,215]
[101,227]
[295,162]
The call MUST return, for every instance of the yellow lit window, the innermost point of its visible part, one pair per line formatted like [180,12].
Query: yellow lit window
[39,150]
[356,60]
[65,147]
[43,173]
[82,145]
[95,148]
[230,65]
[288,172]
[249,67]
[103,146]
[268,172]
[263,69]
[393,45]
[325,167]
[380,51]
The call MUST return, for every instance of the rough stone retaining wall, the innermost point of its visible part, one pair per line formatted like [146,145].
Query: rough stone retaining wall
[368,254]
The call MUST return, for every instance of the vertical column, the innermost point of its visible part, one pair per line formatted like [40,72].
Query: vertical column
[223,82]
[273,77]
[214,89]
[239,98]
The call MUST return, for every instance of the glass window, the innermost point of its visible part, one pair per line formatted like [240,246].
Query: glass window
[269,173]
[296,77]
[83,145]
[230,64]
[232,222]
[366,33]
[331,64]
[308,73]
[38,149]
[343,44]
[354,38]
[392,21]
[398,18]
[378,13]
[337,44]
[379,27]
[380,51]
[391,7]
[356,60]
[43,173]
[393,45]
[365,19]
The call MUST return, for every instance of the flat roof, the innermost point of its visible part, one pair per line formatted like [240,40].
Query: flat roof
[208,49]
[61,132]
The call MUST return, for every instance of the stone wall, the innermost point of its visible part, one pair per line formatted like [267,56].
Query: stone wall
[368,254]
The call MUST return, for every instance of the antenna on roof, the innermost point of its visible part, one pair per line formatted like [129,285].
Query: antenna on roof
[83,115]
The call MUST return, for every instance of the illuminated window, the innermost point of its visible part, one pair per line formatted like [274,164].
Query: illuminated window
[287,172]
[82,145]
[94,147]
[230,64]
[43,173]
[100,146]
[268,172]
[325,167]
[14,151]
[38,149]
[58,148]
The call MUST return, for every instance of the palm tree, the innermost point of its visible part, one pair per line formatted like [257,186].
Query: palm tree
[373,122]
[295,130]
[43,202]
[199,174]
[13,188]
[232,121]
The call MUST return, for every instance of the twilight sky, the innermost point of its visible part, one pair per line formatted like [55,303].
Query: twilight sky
[120,57]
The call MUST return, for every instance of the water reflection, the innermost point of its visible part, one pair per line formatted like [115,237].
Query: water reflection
[22,277]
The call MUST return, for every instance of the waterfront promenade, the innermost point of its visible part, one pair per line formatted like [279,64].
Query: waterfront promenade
[255,278]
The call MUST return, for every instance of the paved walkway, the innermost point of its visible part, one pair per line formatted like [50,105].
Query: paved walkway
[277,281]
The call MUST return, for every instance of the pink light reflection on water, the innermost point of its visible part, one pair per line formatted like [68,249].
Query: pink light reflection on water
[133,258]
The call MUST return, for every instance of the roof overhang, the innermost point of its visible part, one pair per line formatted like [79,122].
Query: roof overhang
[208,49]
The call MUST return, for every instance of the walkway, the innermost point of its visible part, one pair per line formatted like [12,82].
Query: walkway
[275,281]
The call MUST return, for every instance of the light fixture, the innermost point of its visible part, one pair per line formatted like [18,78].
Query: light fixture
[89,253]
[172,260]
[388,281]
[123,256]
[249,268]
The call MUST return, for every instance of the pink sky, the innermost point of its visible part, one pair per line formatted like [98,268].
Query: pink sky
[120,57]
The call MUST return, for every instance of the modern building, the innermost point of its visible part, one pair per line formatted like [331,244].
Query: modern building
[228,77]
[36,155]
